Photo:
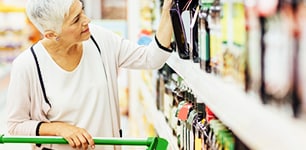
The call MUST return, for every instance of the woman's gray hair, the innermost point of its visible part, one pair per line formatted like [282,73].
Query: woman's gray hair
[48,14]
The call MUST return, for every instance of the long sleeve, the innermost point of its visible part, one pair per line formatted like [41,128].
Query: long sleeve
[23,112]
[129,54]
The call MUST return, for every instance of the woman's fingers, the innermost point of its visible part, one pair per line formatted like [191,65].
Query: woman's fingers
[82,143]
[89,139]
[77,137]
[81,140]
[71,142]
[85,139]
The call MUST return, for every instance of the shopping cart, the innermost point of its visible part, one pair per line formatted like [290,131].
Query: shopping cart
[152,143]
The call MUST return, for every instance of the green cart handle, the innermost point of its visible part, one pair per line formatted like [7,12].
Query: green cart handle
[153,143]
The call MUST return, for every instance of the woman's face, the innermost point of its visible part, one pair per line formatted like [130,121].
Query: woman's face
[75,27]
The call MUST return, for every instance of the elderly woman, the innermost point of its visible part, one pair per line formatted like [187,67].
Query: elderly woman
[66,84]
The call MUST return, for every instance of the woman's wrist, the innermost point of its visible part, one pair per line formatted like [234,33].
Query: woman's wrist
[50,129]
[167,5]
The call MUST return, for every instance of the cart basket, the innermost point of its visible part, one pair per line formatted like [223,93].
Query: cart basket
[152,143]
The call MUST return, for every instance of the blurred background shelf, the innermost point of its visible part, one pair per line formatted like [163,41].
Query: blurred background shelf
[5,69]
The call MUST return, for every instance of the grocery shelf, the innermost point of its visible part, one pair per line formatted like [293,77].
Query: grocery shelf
[158,118]
[259,126]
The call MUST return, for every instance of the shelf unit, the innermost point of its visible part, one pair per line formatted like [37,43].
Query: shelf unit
[148,103]
[259,126]
[159,121]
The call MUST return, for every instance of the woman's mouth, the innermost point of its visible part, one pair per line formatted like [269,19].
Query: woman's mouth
[85,31]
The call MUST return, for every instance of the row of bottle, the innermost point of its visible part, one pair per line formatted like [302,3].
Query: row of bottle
[195,126]
[276,52]
[257,45]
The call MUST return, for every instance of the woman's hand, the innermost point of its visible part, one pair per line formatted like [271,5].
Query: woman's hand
[76,137]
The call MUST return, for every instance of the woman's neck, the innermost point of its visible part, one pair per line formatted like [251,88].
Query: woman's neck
[61,48]
[67,56]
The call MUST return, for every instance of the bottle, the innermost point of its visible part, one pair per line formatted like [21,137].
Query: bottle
[253,49]
[296,34]
[179,31]
[269,30]
[301,84]
[160,89]
[194,13]
[204,35]
[215,38]
[239,42]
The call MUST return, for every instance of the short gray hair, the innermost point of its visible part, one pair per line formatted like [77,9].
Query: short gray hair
[48,14]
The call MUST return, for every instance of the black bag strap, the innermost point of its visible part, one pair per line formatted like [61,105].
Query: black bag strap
[95,42]
[40,77]
[39,71]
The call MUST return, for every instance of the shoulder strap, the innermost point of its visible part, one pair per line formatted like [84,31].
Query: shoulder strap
[95,42]
[40,77]
[93,39]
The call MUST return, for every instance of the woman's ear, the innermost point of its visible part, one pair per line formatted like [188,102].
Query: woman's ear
[51,35]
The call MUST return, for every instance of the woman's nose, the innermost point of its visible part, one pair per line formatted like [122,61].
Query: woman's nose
[86,21]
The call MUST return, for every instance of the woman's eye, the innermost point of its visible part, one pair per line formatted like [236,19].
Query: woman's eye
[77,20]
